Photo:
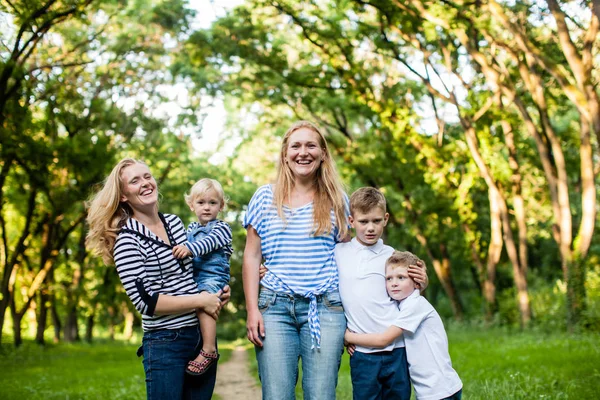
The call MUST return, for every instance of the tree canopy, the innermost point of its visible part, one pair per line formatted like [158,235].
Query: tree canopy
[479,121]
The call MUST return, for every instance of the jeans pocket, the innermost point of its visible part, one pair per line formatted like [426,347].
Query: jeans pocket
[333,301]
[162,335]
[265,299]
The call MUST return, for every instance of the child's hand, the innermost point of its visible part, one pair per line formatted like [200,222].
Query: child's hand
[262,271]
[350,348]
[347,337]
[180,251]
[224,294]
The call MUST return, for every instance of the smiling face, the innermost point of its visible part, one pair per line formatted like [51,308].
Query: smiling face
[206,206]
[138,187]
[369,226]
[397,282]
[304,153]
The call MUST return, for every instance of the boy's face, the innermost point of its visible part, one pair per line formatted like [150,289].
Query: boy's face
[207,206]
[369,226]
[397,282]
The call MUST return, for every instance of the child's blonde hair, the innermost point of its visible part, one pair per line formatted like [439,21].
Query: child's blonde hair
[107,213]
[329,189]
[202,187]
[402,259]
[365,199]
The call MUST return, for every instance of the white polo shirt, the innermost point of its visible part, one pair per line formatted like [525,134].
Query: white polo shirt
[429,363]
[367,305]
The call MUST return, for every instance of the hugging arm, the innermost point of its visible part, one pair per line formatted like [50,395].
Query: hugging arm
[377,340]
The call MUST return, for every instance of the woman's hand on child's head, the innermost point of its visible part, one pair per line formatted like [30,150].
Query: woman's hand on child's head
[180,251]
[419,274]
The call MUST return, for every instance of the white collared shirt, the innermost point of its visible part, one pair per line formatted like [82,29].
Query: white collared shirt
[367,305]
[429,363]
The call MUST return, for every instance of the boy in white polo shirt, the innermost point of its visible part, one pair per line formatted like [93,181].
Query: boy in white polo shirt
[377,373]
[426,342]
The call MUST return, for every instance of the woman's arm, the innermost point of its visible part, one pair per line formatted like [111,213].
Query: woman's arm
[252,259]
[129,262]
[377,340]
[209,303]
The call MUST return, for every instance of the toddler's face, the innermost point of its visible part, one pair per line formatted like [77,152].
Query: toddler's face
[397,282]
[207,206]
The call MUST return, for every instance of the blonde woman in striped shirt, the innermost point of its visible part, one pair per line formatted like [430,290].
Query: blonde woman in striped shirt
[127,229]
[294,225]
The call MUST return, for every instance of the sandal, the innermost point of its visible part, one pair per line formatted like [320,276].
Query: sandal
[202,367]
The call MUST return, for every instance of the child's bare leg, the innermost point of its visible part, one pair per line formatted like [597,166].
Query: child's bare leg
[208,328]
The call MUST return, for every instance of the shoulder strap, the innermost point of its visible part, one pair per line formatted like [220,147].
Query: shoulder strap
[143,237]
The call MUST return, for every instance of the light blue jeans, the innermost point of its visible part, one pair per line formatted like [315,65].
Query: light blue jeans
[287,338]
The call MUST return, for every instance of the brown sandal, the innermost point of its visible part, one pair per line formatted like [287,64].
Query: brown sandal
[209,359]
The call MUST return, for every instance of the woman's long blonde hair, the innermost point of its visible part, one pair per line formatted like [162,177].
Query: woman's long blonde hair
[107,214]
[329,191]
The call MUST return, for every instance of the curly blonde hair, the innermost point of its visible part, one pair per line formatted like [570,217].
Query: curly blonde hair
[329,189]
[107,214]
[202,187]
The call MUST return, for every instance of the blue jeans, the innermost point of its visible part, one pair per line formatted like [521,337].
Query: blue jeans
[287,338]
[166,354]
[381,375]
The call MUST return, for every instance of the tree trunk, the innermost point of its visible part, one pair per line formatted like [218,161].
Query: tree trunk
[71,332]
[89,328]
[111,322]
[129,319]
[42,317]
[10,267]
[442,271]
[16,317]
[494,253]
[55,319]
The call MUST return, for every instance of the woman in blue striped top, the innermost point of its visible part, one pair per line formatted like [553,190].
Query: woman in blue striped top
[294,225]
[126,229]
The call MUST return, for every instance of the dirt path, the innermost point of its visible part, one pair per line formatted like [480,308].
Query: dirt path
[234,380]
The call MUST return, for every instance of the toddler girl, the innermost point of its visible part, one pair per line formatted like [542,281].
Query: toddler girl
[209,243]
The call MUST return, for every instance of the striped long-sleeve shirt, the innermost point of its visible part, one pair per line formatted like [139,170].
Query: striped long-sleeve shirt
[147,268]
[219,237]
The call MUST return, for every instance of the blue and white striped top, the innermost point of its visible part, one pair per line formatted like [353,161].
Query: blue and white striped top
[298,262]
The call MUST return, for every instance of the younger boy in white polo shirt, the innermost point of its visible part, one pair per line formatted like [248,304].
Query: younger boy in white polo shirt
[377,373]
[426,342]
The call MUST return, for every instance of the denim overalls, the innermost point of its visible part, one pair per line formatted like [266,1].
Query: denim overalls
[211,271]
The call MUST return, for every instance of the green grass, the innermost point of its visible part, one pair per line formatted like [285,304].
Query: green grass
[499,364]
[493,364]
[103,370]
